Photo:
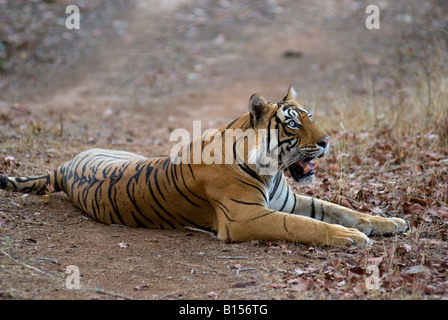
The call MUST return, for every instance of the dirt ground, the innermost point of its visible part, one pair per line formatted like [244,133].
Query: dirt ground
[157,66]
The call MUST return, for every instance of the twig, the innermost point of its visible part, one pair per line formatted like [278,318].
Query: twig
[428,75]
[201,230]
[48,259]
[30,267]
[201,267]
[61,125]
[243,269]
[114,294]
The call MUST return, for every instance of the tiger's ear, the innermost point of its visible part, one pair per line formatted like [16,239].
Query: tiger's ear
[291,95]
[259,109]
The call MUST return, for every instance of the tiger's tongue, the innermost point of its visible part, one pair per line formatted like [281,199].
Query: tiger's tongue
[307,166]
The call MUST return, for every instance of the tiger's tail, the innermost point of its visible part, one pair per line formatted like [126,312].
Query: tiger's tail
[31,184]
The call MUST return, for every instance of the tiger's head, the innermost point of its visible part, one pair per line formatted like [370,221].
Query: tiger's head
[299,139]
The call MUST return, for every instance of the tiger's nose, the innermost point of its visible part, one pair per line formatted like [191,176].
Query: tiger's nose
[323,142]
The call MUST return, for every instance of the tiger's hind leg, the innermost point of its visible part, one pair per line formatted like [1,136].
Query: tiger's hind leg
[336,214]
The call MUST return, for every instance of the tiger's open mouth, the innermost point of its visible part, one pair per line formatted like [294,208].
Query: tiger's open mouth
[302,169]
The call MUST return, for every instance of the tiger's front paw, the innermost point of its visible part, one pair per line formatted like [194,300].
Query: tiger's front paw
[388,226]
[402,225]
[344,237]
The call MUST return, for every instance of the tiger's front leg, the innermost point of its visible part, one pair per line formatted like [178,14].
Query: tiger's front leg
[336,214]
[251,221]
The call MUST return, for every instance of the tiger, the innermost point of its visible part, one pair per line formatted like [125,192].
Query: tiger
[235,201]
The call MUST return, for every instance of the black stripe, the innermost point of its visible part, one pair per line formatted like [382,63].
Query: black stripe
[3,182]
[93,213]
[149,169]
[191,171]
[273,191]
[112,199]
[194,224]
[131,196]
[286,200]
[164,185]
[268,138]
[323,213]
[157,201]
[223,208]
[254,186]
[165,167]
[157,183]
[57,185]
[247,203]
[221,204]
[166,163]
[294,206]
[84,193]
[283,186]
[228,234]
[114,178]
[313,210]
[96,197]
[13,184]
[263,215]
[139,223]
[161,217]
[177,188]
[235,154]
[250,172]
[111,218]
[231,123]
[185,184]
